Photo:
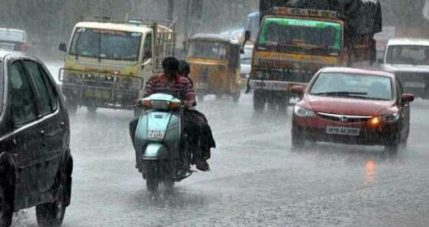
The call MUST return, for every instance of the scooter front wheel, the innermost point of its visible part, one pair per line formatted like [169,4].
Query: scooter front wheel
[152,176]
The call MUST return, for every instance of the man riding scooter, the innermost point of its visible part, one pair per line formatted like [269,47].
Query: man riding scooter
[170,82]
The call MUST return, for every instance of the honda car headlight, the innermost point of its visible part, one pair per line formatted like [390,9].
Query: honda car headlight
[302,112]
[391,118]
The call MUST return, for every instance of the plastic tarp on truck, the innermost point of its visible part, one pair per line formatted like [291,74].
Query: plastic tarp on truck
[363,16]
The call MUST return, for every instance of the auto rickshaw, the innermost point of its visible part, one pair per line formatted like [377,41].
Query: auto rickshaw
[215,66]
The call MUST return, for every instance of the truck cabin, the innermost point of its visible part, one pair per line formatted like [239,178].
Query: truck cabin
[297,30]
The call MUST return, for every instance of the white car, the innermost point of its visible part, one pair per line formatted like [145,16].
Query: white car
[13,39]
[409,60]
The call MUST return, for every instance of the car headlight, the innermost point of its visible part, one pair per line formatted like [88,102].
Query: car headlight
[302,112]
[391,118]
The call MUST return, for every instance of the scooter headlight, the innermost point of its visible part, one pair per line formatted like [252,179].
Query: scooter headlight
[302,112]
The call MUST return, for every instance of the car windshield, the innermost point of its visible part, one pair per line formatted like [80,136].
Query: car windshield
[353,86]
[408,55]
[204,49]
[297,35]
[12,35]
[106,44]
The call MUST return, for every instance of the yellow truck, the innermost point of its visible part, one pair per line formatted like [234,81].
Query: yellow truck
[293,44]
[107,63]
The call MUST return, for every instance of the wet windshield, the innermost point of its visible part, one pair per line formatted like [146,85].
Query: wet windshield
[408,55]
[204,49]
[106,44]
[353,86]
[295,34]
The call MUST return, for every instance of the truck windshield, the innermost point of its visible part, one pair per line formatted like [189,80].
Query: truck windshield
[408,55]
[299,34]
[204,49]
[106,44]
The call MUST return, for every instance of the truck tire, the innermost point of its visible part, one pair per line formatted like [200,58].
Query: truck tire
[258,101]
[236,96]
[283,103]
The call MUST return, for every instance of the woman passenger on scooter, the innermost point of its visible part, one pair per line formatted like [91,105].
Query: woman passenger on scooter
[207,140]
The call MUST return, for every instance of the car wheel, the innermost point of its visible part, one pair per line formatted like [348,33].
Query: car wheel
[6,206]
[258,101]
[298,139]
[52,214]
[392,147]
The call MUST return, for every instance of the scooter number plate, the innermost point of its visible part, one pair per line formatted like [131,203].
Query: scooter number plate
[156,134]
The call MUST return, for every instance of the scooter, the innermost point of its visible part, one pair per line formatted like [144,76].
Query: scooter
[163,154]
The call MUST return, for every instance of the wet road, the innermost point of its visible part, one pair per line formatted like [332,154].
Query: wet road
[256,178]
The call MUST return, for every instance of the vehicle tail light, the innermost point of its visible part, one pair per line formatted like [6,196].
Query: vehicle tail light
[23,47]
[173,105]
[147,104]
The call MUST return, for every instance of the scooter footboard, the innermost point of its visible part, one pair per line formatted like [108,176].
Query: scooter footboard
[155,151]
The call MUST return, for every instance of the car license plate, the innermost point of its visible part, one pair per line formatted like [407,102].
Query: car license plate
[156,134]
[97,94]
[415,84]
[342,131]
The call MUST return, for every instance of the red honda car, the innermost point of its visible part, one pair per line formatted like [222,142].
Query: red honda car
[352,106]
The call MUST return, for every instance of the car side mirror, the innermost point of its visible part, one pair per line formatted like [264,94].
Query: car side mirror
[407,98]
[298,90]
[62,47]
